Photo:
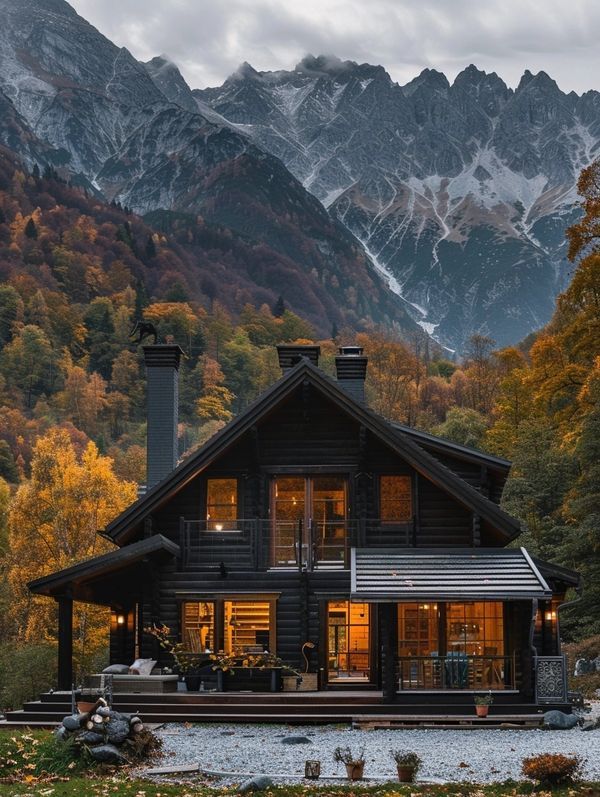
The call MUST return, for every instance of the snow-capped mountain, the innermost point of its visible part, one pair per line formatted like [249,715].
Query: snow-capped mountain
[70,96]
[460,193]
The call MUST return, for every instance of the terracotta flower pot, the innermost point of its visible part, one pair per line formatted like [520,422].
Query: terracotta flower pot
[482,711]
[406,774]
[83,706]
[355,771]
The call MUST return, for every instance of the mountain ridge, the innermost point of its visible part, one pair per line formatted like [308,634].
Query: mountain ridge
[123,128]
[459,191]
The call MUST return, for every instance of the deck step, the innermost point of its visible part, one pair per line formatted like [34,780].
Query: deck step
[448,721]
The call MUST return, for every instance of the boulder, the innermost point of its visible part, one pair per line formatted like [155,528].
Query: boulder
[583,667]
[596,663]
[559,721]
[591,725]
[296,740]
[117,730]
[107,754]
[61,733]
[90,737]
[72,722]
[257,783]
[104,711]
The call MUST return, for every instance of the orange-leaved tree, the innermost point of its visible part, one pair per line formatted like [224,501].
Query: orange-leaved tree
[53,520]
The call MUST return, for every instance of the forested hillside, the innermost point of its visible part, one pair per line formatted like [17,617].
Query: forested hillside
[75,274]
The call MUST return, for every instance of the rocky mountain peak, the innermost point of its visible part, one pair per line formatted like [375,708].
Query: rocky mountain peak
[427,80]
[169,80]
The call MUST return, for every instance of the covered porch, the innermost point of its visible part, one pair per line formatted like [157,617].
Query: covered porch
[123,580]
[462,621]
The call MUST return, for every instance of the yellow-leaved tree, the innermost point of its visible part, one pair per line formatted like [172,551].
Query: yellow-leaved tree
[53,520]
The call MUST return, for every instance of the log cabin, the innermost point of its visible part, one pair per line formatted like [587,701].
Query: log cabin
[311,526]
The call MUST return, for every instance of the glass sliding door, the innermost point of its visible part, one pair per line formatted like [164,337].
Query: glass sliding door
[328,519]
[288,510]
[348,637]
[309,521]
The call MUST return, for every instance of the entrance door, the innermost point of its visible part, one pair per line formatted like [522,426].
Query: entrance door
[348,638]
[309,521]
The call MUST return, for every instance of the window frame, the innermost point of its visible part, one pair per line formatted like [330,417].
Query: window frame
[218,600]
[238,505]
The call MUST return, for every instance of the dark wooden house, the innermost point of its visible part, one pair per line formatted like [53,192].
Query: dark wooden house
[309,518]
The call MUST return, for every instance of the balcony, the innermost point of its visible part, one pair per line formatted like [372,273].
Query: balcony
[456,671]
[261,544]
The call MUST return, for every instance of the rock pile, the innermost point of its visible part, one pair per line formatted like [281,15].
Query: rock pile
[587,666]
[103,731]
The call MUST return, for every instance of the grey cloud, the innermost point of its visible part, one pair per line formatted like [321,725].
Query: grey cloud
[208,39]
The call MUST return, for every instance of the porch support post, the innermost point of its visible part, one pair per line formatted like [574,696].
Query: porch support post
[389,649]
[65,643]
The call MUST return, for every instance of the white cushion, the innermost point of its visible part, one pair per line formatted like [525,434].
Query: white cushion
[143,666]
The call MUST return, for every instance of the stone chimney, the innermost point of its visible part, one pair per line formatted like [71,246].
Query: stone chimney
[351,371]
[162,370]
[291,354]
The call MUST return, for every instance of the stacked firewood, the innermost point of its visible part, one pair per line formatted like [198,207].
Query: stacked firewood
[107,734]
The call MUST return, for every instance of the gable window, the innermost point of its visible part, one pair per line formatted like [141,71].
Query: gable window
[221,504]
[395,499]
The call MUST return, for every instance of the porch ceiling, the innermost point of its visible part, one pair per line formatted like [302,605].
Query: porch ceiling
[387,575]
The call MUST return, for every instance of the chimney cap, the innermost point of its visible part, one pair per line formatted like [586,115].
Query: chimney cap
[351,351]
[163,355]
[290,354]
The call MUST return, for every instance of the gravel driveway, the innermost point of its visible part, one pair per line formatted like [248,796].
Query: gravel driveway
[477,755]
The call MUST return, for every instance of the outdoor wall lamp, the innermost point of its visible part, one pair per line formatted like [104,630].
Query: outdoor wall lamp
[120,619]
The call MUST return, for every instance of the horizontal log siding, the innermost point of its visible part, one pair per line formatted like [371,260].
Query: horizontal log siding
[443,521]
[290,612]
[308,431]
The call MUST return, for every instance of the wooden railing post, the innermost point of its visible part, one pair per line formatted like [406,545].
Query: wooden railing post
[65,643]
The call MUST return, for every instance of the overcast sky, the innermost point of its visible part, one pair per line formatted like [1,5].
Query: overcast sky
[208,39]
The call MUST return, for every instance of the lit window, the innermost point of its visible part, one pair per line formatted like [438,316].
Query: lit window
[221,504]
[199,626]
[247,626]
[395,499]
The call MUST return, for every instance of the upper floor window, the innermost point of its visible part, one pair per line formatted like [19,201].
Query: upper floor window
[395,499]
[221,504]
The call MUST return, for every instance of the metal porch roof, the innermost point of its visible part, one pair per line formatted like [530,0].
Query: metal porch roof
[385,575]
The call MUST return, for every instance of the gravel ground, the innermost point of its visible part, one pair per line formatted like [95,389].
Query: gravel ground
[481,756]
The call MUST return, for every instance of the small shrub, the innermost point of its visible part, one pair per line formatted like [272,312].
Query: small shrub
[344,755]
[408,759]
[25,671]
[551,769]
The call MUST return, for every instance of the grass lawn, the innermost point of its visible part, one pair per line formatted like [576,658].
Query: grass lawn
[27,758]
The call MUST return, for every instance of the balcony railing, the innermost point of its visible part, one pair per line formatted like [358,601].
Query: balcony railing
[456,671]
[259,544]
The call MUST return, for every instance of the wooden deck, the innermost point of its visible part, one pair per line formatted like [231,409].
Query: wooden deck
[362,709]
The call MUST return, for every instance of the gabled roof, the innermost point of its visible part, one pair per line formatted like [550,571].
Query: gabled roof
[443,446]
[445,574]
[399,441]
[110,562]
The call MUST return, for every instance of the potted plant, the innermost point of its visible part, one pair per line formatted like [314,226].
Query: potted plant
[408,765]
[483,703]
[187,664]
[254,671]
[355,765]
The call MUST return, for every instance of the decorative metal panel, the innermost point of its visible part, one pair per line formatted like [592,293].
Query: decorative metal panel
[551,679]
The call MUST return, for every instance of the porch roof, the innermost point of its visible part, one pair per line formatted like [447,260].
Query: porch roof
[106,578]
[385,575]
